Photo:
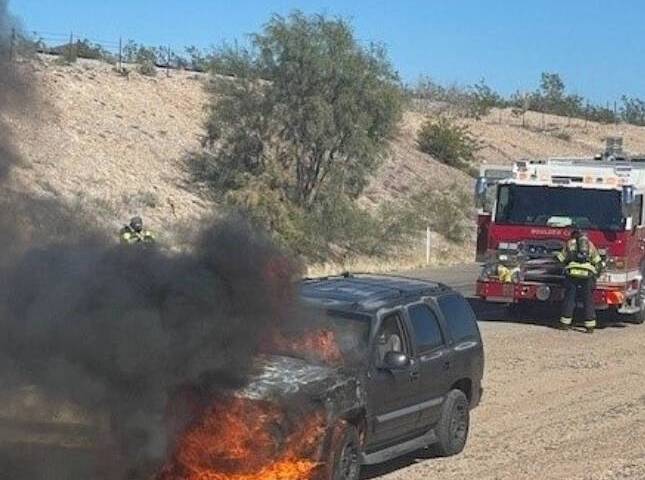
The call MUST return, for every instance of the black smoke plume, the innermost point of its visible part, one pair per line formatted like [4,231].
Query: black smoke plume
[116,330]
[119,330]
[15,89]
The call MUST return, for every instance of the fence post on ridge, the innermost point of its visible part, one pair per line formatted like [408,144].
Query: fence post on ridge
[428,246]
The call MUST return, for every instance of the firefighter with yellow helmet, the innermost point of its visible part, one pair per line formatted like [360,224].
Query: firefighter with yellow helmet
[582,264]
[134,233]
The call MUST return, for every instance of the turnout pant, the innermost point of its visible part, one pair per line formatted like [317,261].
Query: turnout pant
[582,289]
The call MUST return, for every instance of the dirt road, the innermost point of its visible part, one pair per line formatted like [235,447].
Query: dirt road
[557,405]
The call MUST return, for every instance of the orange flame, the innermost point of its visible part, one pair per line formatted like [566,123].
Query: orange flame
[243,439]
[316,344]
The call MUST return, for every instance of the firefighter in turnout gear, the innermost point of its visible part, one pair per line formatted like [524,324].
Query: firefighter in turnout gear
[582,264]
[134,233]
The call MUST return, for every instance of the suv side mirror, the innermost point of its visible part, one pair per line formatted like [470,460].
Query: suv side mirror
[396,360]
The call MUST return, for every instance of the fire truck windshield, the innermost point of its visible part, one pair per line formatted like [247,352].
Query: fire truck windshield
[559,206]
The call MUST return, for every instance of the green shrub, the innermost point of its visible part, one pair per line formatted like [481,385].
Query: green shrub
[448,212]
[633,110]
[87,49]
[600,114]
[473,101]
[147,68]
[562,136]
[146,57]
[448,142]
[68,55]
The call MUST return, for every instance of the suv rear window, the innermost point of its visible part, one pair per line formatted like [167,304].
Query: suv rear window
[461,319]
[426,327]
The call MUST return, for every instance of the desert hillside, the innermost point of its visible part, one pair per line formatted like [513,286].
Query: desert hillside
[116,145]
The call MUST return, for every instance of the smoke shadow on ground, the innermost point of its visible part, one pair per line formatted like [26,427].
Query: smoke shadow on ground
[543,315]
[375,471]
[30,460]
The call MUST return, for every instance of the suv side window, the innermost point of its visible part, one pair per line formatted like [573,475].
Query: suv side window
[390,338]
[460,318]
[426,327]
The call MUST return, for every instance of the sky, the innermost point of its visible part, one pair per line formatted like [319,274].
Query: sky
[598,47]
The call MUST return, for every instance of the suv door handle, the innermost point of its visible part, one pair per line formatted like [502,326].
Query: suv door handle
[446,365]
[414,375]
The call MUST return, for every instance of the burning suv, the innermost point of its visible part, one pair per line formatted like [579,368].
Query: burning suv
[390,365]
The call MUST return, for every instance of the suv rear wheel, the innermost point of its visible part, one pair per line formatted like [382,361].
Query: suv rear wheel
[345,455]
[452,429]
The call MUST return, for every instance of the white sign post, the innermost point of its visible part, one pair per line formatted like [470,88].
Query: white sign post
[427,246]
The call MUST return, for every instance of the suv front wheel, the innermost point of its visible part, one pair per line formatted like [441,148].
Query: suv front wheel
[346,455]
[452,429]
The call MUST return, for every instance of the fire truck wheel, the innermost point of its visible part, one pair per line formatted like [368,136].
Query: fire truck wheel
[346,455]
[452,429]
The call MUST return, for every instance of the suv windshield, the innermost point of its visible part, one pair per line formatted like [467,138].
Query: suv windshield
[330,338]
[559,207]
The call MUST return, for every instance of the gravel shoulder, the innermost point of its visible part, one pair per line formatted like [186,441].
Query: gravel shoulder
[557,405]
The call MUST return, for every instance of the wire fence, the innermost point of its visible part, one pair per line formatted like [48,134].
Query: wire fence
[525,118]
[51,40]
[117,51]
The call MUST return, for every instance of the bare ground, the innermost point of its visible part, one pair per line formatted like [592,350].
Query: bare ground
[557,405]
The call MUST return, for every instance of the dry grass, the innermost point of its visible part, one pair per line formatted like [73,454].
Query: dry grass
[113,144]
[442,252]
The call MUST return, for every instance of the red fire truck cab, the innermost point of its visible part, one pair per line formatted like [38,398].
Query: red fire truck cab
[528,211]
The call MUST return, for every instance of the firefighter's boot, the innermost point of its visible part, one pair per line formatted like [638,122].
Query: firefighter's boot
[590,326]
[565,323]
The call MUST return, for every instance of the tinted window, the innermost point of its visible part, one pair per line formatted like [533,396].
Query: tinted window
[426,327]
[460,317]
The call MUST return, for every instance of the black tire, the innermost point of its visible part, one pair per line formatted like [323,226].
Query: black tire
[453,426]
[346,455]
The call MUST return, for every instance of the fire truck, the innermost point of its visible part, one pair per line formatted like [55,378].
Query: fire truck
[528,211]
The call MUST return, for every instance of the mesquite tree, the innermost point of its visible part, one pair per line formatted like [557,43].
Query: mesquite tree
[305,111]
